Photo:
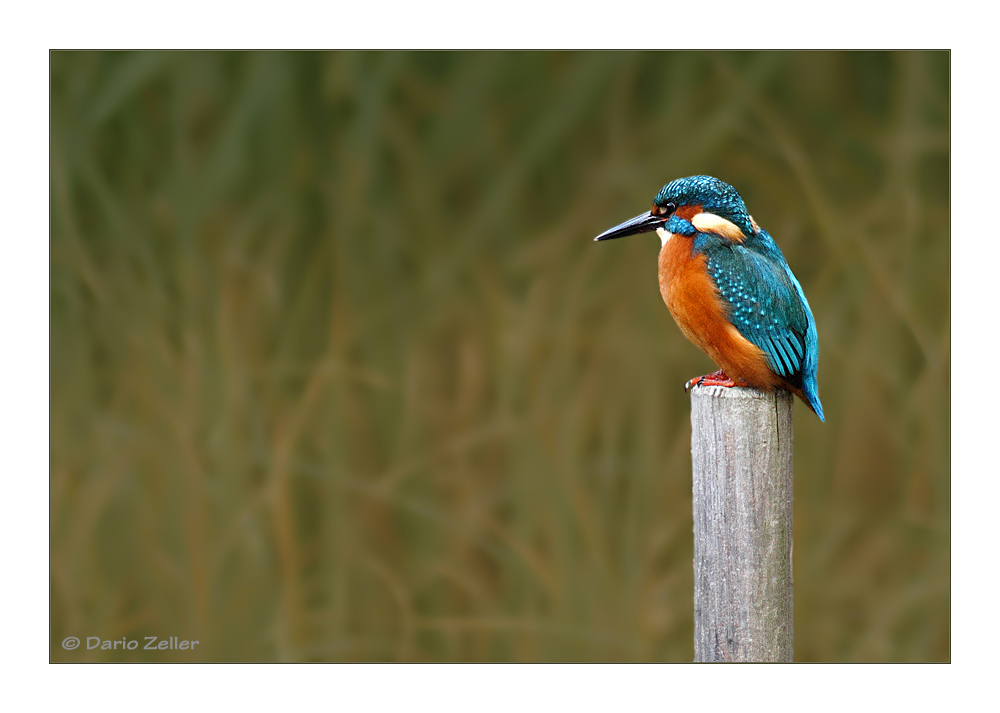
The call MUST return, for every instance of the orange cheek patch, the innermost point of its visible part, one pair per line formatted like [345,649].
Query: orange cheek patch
[687,212]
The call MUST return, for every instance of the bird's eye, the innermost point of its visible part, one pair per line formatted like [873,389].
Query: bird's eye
[670,208]
[667,209]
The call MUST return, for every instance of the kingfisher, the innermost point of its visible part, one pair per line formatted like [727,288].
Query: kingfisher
[730,290]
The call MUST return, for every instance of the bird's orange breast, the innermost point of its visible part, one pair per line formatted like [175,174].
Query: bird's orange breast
[700,312]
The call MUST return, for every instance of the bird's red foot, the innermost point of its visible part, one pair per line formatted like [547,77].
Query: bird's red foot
[719,378]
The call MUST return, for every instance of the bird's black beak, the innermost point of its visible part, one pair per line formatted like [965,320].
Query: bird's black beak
[645,223]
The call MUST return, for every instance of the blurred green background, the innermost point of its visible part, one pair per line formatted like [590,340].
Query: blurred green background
[338,373]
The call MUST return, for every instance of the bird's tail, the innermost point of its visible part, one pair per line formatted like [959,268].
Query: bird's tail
[810,394]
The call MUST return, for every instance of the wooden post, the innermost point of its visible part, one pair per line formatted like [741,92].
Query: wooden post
[741,449]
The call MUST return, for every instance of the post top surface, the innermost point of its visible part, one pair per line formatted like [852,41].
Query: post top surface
[737,392]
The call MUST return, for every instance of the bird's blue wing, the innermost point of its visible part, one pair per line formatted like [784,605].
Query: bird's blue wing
[764,305]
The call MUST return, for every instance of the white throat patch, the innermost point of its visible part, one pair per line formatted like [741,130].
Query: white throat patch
[664,236]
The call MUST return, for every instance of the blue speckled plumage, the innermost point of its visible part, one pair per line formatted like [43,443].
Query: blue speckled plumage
[762,298]
[768,307]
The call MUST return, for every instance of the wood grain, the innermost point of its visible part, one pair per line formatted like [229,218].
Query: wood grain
[741,448]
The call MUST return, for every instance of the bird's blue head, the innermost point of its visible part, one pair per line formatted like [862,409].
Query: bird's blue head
[702,202]
[710,195]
